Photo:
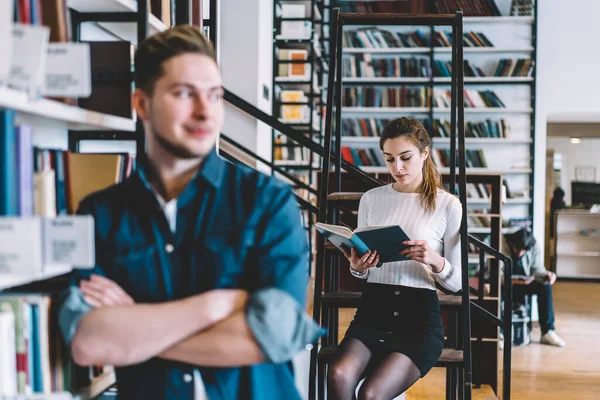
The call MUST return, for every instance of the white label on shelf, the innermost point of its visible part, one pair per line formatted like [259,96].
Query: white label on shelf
[6,42]
[20,246]
[69,240]
[30,46]
[68,72]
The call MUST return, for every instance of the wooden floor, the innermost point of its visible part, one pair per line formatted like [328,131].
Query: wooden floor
[539,371]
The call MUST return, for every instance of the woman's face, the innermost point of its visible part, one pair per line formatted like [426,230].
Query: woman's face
[404,161]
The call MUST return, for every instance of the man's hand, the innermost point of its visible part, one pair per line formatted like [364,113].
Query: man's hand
[551,278]
[102,292]
[520,281]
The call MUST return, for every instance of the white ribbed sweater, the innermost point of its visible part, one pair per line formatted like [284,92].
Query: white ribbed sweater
[384,206]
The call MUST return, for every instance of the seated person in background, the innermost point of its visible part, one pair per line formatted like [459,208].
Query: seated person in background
[525,254]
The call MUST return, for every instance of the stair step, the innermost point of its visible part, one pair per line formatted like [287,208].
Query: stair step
[450,357]
[351,300]
[345,196]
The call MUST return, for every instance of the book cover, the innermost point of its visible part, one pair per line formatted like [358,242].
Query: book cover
[386,240]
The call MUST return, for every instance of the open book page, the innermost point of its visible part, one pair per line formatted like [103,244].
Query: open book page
[337,229]
[370,228]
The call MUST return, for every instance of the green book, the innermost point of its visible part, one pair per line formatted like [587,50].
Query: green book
[386,240]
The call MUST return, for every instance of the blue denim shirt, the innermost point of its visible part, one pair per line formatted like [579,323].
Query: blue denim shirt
[236,228]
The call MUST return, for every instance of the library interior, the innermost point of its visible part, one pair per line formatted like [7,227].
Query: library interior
[299,199]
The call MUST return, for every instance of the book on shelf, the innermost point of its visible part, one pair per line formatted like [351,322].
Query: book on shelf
[382,39]
[33,356]
[410,6]
[473,158]
[521,8]
[369,157]
[514,68]
[470,8]
[295,30]
[296,70]
[367,66]
[473,129]
[386,97]
[470,39]
[386,240]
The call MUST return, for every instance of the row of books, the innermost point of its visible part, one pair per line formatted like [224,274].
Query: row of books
[473,158]
[444,69]
[410,6]
[365,66]
[386,97]
[382,39]
[368,157]
[509,67]
[372,127]
[415,97]
[473,129]
[521,7]
[285,149]
[472,99]
[33,356]
[471,8]
[50,182]
[470,39]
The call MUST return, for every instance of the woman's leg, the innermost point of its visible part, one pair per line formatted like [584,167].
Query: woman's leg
[346,369]
[391,378]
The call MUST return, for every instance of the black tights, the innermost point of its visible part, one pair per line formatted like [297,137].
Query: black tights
[390,378]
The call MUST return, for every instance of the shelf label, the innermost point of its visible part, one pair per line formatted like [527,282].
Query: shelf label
[30,47]
[20,246]
[6,42]
[69,240]
[68,72]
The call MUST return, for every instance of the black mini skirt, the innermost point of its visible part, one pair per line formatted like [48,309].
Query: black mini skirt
[399,319]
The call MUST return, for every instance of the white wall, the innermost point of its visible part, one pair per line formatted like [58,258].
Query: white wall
[245,52]
[568,80]
[585,153]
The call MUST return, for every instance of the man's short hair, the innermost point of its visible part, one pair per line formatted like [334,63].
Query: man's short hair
[155,50]
[521,240]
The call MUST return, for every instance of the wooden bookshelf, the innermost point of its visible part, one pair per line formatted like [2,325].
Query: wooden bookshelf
[8,281]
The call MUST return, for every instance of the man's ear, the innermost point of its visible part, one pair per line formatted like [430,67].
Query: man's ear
[141,103]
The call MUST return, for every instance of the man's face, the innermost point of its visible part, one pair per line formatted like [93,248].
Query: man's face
[185,112]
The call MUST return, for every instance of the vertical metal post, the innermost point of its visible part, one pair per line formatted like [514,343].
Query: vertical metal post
[182,12]
[456,41]
[458,69]
[323,192]
[508,293]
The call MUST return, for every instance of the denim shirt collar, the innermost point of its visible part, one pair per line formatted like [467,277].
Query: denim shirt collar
[211,172]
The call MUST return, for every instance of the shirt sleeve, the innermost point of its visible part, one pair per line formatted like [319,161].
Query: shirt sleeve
[450,275]
[363,212]
[538,270]
[275,313]
[72,305]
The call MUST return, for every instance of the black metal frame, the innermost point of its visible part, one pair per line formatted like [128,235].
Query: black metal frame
[457,128]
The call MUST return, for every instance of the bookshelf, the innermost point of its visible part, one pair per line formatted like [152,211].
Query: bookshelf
[577,244]
[50,123]
[503,68]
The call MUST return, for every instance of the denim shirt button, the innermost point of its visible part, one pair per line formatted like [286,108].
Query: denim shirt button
[169,248]
[187,378]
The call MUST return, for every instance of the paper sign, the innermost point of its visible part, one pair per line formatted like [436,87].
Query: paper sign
[6,41]
[69,241]
[20,246]
[30,47]
[68,72]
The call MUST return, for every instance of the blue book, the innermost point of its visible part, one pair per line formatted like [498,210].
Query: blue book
[386,240]
[9,200]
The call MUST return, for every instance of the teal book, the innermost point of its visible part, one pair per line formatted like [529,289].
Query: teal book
[386,240]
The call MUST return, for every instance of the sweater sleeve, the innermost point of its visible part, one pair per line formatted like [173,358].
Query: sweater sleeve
[450,276]
[363,212]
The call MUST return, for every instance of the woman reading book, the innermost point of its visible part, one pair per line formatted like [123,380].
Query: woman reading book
[397,335]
